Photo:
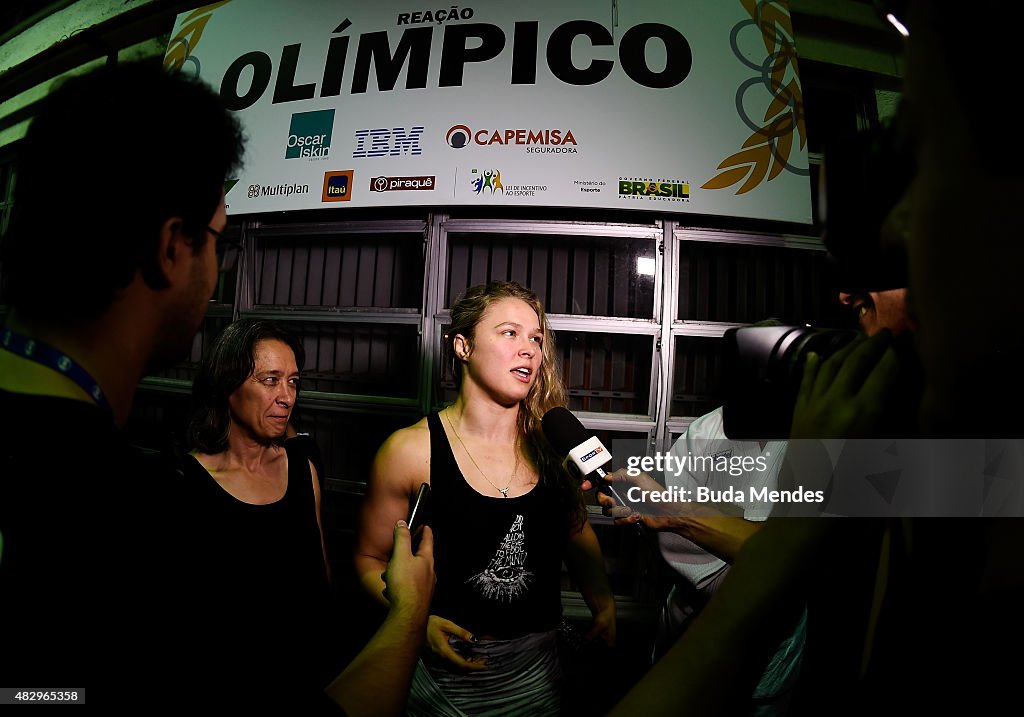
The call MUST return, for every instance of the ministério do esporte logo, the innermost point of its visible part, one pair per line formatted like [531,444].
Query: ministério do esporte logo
[309,135]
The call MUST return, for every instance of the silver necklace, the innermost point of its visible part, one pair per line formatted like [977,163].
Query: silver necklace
[515,468]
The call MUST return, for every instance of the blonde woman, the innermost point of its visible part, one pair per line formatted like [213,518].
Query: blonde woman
[504,514]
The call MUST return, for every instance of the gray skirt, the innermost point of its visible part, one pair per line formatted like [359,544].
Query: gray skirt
[523,677]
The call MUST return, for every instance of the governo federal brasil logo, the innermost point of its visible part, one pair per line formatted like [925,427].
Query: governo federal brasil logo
[309,135]
[654,189]
[534,141]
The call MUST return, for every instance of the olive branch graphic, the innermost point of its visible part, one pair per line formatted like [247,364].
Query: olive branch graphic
[765,153]
[184,43]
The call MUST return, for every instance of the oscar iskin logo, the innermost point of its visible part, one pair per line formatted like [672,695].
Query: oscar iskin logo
[309,135]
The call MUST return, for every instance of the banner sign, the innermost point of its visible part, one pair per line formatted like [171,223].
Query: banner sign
[687,106]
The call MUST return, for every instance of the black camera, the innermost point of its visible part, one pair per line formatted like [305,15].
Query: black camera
[764,366]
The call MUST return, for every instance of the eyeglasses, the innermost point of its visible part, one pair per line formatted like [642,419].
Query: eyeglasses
[228,251]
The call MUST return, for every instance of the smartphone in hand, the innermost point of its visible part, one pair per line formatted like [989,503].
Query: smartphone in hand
[419,511]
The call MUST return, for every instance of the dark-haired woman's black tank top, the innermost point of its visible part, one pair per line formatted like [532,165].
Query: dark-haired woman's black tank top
[498,560]
[259,599]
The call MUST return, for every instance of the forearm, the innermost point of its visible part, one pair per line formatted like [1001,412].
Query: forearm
[722,536]
[586,564]
[376,683]
[370,570]
[716,663]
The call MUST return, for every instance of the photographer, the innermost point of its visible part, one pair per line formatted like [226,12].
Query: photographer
[872,386]
[950,600]
[865,387]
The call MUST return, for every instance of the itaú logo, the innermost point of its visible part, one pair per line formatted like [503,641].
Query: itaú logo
[460,136]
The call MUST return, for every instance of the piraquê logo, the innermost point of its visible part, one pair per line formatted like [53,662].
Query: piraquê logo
[310,134]
[392,184]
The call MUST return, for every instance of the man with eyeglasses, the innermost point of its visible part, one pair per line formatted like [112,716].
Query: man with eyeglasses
[108,269]
[228,251]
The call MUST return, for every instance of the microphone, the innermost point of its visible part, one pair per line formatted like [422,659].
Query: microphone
[582,449]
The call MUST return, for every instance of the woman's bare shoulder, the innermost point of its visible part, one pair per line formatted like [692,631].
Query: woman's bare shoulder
[406,451]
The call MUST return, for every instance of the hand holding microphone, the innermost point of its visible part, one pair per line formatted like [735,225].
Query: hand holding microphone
[585,455]
[583,450]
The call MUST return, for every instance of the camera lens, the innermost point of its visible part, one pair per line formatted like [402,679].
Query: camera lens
[764,367]
[823,342]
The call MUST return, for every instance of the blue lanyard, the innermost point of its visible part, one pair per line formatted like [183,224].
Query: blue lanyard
[43,353]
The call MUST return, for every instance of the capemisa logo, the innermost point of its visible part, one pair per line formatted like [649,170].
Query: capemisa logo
[536,141]
[338,186]
[309,134]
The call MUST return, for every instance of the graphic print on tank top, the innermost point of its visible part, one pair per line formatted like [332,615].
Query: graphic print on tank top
[506,577]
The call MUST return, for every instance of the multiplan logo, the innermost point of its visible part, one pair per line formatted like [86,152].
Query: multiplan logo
[309,135]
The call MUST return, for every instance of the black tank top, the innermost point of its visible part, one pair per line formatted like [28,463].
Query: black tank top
[259,598]
[498,560]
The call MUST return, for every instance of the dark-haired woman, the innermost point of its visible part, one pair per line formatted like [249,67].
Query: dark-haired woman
[260,588]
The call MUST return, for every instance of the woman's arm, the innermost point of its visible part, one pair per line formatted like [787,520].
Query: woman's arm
[722,536]
[706,524]
[586,564]
[401,464]
[319,520]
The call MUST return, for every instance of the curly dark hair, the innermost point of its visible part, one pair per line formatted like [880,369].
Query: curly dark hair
[110,156]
